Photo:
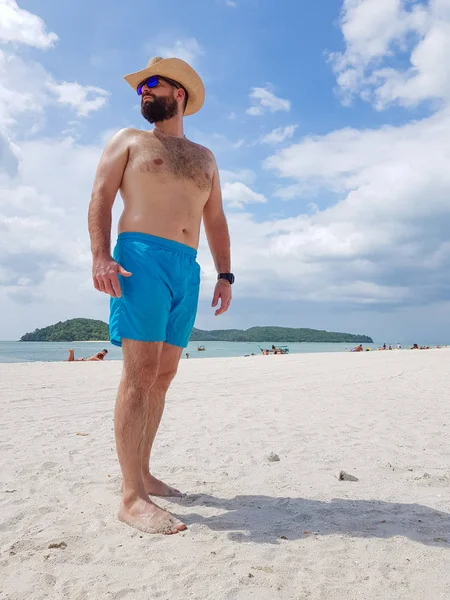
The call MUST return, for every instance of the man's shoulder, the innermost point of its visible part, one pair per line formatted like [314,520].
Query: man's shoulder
[204,150]
[124,138]
[127,132]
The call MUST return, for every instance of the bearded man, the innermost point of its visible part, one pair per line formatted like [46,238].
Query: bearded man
[168,184]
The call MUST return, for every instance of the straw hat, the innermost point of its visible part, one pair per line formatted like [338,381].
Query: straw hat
[179,71]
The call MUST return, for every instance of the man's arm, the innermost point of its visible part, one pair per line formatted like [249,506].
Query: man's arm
[106,185]
[218,237]
[108,179]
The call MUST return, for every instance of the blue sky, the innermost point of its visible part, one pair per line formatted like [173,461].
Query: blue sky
[328,121]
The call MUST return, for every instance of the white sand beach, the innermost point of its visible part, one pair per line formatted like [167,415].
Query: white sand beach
[256,529]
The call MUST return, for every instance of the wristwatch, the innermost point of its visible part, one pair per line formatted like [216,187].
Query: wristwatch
[228,276]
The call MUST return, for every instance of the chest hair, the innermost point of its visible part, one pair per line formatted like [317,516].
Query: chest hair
[179,158]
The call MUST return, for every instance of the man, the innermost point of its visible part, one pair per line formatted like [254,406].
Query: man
[95,357]
[168,184]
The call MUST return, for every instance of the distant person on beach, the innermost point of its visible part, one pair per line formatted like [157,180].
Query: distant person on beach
[99,356]
[357,348]
[168,185]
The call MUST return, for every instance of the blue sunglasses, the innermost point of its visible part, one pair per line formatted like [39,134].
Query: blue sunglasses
[153,81]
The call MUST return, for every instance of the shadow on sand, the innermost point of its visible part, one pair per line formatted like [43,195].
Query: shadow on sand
[264,519]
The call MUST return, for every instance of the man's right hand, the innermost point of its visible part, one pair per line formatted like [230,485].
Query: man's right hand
[105,272]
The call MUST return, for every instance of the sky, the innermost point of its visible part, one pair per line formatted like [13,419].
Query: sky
[330,124]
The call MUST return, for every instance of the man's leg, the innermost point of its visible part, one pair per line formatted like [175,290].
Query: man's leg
[133,411]
[71,356]
[170,357]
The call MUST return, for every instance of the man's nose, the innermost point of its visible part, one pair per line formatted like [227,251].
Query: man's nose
[146,90]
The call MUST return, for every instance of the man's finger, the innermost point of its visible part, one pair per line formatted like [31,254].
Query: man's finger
[116,286]
[215,299]
[123,272]
[108,287]
[217,312]
[101,285]
[223,307]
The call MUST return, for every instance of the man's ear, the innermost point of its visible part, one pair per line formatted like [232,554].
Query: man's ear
[181,95]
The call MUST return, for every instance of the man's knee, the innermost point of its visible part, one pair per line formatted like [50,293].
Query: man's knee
[165,378]
[141,364]
[140,379]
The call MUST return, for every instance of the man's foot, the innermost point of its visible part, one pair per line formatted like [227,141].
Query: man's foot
[155,487]
[149,518]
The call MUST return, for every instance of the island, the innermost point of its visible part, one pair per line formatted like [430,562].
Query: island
[73,330]
[81,330]
[277,335]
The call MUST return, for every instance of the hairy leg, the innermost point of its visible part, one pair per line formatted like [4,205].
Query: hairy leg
[133,412]
[170,357]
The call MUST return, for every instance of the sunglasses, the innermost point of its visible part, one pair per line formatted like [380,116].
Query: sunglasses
[153,81]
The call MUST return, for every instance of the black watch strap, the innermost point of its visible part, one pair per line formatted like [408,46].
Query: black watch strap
[228,276]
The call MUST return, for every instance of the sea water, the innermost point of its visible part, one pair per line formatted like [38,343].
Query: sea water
[13,352]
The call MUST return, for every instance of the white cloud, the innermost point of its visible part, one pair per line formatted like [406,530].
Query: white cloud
[265,100]
[245,175]
[45,184]
[376,31]
[236,190]
[384,242]
[20,26]
[15,98]
[83,99]
[390,228]
[40,92]
[237,195]
[187,49]
[255,111]
[231,3]
[43,242]
[9,161]
[279,135]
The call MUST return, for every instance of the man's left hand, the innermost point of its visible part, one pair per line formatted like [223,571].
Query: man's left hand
[222,292]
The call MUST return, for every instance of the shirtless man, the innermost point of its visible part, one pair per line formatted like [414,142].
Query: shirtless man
[168,185]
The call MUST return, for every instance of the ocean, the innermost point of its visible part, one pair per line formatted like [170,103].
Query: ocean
[14,352]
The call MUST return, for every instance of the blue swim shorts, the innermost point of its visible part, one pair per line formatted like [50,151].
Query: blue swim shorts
[159,300]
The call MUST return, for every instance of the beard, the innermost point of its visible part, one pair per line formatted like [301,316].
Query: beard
[159,109]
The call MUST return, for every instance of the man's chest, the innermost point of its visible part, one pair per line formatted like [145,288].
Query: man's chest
[176,160]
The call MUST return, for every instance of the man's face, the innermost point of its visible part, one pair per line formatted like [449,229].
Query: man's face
[158,103]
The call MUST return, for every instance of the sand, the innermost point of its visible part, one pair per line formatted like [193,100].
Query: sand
[257,528]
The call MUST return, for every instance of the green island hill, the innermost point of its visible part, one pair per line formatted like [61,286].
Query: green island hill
[82,330]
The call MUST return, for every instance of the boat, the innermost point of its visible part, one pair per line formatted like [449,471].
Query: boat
[201,348]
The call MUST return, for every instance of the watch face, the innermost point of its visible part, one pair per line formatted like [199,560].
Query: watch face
[228,276]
